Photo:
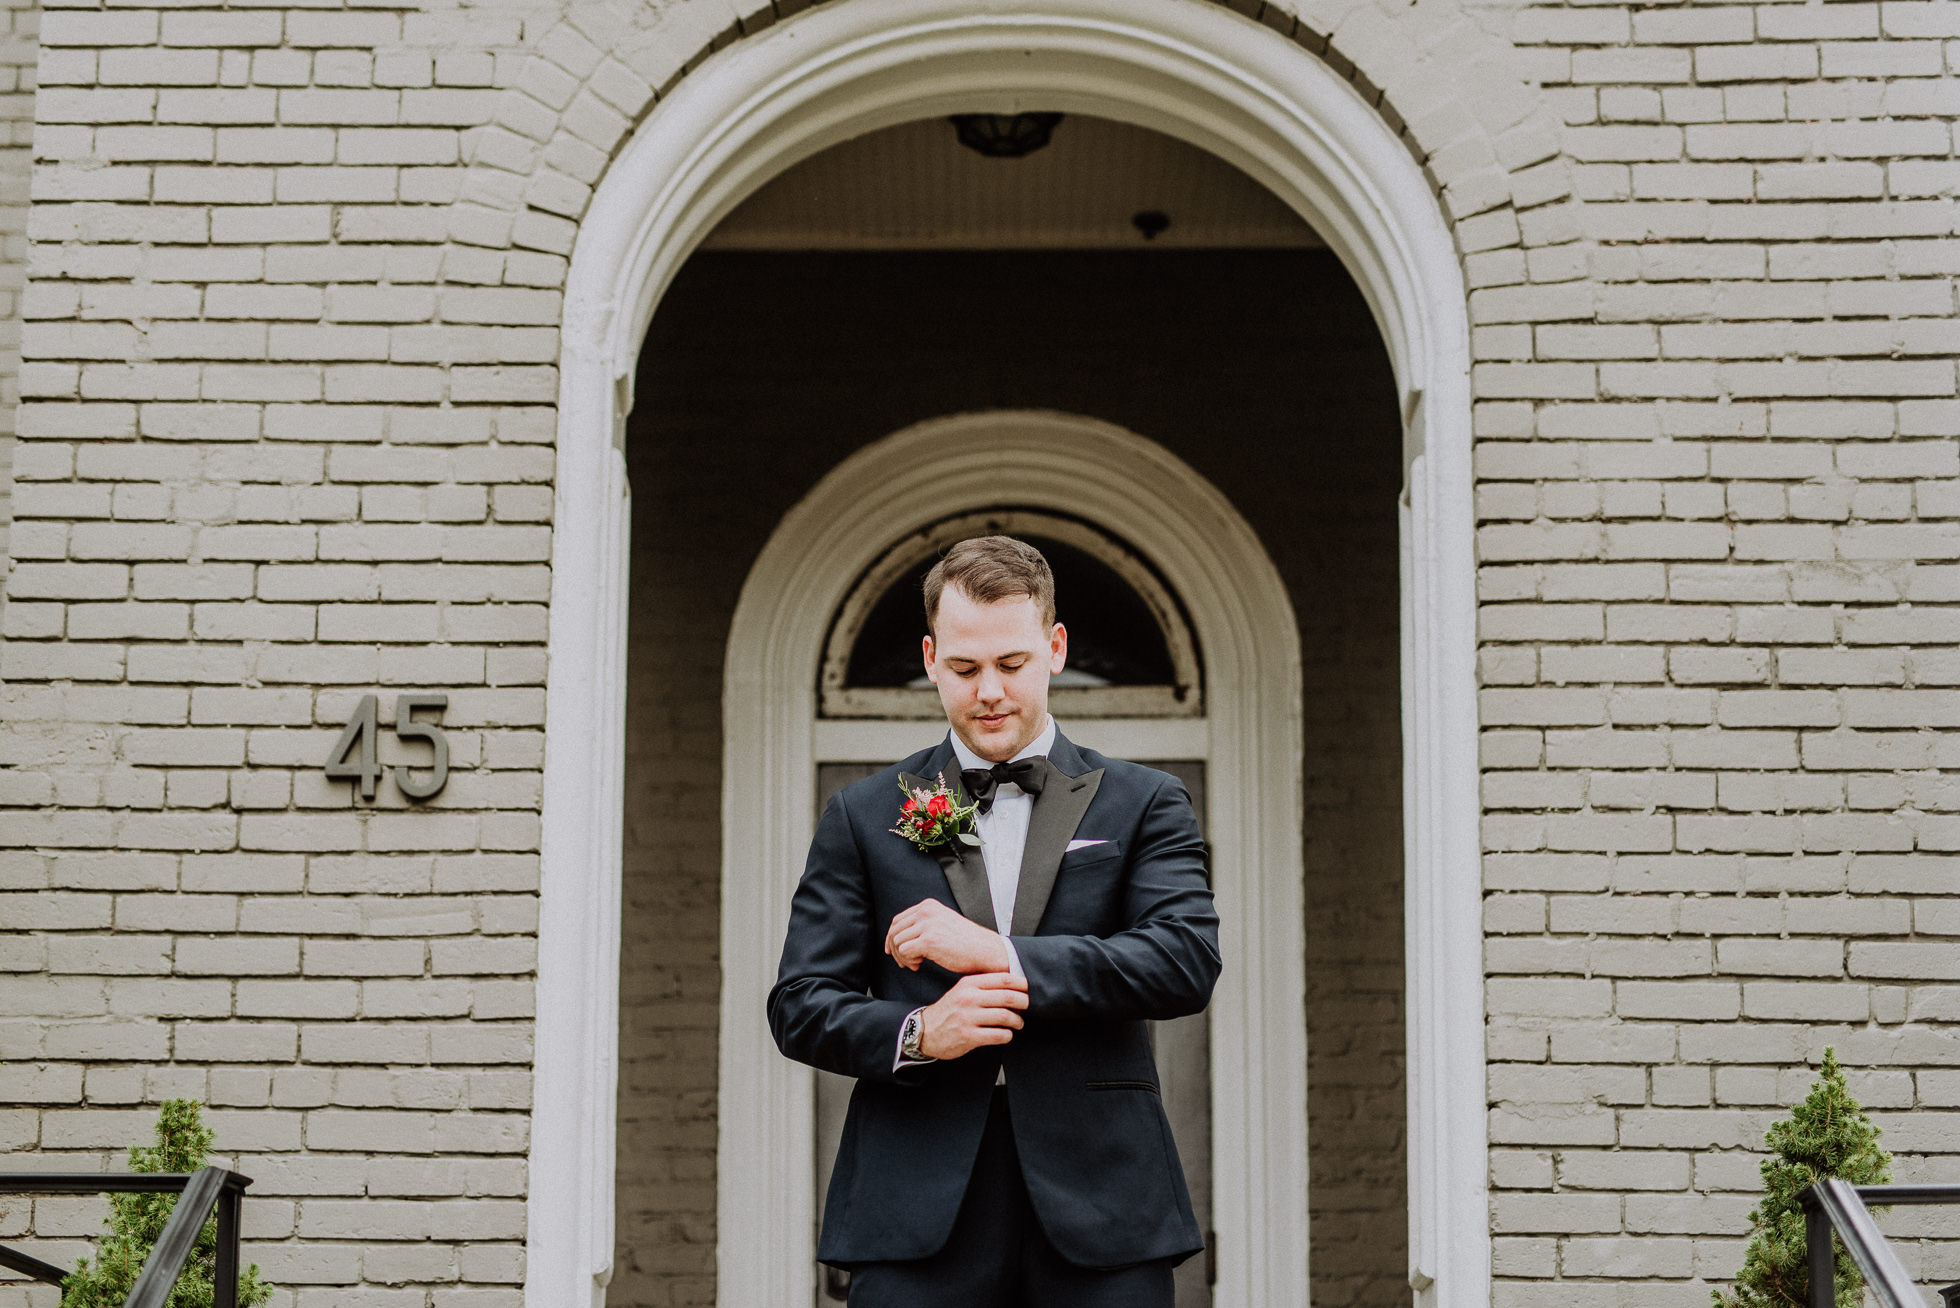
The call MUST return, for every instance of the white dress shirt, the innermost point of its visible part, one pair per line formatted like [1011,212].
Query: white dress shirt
[1003,837]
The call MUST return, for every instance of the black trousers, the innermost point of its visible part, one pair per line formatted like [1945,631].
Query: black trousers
[997,1255]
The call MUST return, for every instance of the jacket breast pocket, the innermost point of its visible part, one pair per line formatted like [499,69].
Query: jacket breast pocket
[1088,897]
[1105,856]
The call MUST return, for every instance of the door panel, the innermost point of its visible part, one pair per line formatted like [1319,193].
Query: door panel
[1183,1052]
[833,1091]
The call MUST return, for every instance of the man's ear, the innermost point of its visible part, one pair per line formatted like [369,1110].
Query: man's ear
[932,666]
[1057,649]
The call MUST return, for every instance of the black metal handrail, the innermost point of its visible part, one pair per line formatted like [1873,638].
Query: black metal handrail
[1837,1204]
[202,1190]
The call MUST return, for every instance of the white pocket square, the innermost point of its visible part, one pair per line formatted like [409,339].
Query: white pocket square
[1074,845]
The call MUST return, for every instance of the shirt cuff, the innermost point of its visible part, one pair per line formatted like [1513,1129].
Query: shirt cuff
[1013,957]
[899,1060]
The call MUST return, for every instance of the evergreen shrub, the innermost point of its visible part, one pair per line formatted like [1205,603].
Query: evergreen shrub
[1828,1134]
[135,1221]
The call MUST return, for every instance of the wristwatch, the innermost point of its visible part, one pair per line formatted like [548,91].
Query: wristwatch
[911,1034]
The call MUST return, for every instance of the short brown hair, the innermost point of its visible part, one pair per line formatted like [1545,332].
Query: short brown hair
[988,569]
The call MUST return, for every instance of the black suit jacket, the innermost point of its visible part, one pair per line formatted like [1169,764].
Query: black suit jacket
[1109,936]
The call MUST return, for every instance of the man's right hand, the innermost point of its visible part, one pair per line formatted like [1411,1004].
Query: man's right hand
[982,1009]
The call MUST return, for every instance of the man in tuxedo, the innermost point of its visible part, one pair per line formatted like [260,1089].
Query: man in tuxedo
[1006,1142]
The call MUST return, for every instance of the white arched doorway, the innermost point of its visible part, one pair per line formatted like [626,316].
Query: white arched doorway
[1243,621]
[1197,72]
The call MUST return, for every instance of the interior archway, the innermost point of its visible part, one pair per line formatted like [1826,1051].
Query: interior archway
[1243,618]
[1200,74]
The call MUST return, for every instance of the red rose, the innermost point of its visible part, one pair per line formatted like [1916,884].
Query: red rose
[931,818]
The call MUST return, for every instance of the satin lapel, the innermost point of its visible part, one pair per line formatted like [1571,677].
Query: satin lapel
[1058,810]
[966,870]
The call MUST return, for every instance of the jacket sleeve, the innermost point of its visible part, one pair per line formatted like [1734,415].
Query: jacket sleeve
[819,1009]
[1166,961]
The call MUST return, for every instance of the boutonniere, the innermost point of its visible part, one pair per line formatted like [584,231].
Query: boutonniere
[935,818]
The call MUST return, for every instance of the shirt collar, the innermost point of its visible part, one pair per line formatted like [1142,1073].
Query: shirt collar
[1041,744]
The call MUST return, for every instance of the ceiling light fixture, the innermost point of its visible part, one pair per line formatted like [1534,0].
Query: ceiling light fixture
[1005,136]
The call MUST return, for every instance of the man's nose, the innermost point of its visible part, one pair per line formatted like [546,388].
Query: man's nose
[990,684]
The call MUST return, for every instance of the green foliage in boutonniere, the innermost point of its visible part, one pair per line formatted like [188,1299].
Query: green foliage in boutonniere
[934,818]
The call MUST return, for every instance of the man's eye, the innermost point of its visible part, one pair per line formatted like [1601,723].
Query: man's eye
[1013,667]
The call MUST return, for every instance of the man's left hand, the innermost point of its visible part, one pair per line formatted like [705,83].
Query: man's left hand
[932,930]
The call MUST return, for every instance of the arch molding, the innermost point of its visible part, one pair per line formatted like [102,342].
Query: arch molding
[1197,72]
[1243,621]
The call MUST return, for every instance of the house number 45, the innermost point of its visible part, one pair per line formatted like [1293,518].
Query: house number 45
[353,756]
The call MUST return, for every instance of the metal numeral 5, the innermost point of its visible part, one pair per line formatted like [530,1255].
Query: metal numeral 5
[353,755]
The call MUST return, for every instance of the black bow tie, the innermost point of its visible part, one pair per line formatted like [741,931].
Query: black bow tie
[1027,773]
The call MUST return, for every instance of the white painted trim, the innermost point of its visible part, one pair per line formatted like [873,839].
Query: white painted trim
[1239,611]
[576,1051]
[1139,739]
[1195,71]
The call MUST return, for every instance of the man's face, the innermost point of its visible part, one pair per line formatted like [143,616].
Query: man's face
[991,664]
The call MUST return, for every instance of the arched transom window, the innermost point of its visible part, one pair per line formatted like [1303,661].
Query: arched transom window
[1131,654]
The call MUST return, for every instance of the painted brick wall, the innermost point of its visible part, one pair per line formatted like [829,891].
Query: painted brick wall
[284,436]
[266,466]
[670,965]
[1202,352]
[1718,577]
[18,48]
